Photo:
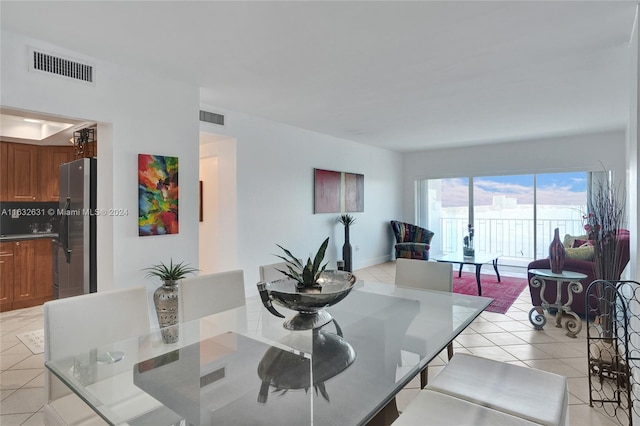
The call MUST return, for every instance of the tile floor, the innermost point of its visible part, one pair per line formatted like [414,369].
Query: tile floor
[508,338]
[21,372]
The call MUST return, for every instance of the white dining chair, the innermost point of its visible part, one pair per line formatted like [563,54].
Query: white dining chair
[272,272]
[75,324]
[537,396]
[209,294]
[425,275]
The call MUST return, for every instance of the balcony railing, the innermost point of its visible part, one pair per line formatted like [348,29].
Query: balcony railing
[508,237]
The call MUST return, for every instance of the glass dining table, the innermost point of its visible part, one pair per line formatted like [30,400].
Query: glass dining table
[241,367]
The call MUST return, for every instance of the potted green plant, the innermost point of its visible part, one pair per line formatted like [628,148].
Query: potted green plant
[171,273]
[347,220]
[309,289]
[165,297]
[306,275]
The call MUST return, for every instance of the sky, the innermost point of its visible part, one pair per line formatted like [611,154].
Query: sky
[553,189]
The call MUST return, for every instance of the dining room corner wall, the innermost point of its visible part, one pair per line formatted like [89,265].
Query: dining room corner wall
[147,114]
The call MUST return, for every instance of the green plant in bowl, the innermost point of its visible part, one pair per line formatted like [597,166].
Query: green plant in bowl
[307,274]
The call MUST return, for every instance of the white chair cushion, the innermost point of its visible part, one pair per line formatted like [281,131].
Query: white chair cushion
[434,408]
[536,395]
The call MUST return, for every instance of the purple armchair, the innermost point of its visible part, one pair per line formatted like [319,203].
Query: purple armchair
[582,266]
[412,242]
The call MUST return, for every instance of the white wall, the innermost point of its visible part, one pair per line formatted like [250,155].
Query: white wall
[275,165]
[139,113]
[633,201]
[589,152]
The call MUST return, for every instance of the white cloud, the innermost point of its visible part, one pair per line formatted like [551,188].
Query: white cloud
[455,193]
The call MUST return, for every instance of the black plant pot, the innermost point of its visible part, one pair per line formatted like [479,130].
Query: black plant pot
[346,251]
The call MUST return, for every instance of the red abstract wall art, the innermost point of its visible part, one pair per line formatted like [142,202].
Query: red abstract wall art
[338,192]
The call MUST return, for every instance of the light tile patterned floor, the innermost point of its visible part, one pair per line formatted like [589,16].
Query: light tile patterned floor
[21,372]
[508,338]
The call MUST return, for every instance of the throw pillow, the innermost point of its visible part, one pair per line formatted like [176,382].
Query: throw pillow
[582,243]
[580,253]
[569,240]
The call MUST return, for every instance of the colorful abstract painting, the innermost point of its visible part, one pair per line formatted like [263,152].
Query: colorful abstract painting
[338,192]
[157,195]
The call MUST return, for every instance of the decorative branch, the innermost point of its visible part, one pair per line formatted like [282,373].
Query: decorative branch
[604,220]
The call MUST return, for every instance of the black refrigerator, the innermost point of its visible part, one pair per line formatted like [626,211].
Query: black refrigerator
[74,251]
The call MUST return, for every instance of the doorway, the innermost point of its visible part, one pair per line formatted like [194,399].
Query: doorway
[218,228]
[33,147]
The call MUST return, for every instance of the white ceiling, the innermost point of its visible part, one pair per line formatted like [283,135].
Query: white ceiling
[399,75]
[37,129]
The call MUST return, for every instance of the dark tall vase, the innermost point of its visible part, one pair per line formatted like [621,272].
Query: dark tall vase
[346,250]
[556,253]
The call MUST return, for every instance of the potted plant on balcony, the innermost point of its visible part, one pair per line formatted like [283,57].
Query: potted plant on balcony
[468,242]
[165,297]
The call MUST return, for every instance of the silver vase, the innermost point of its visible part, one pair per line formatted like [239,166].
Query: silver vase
[167,302]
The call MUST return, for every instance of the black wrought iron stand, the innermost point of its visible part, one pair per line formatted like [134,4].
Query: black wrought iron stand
[613,348]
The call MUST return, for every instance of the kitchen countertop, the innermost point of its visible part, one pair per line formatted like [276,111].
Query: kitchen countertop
[31,236]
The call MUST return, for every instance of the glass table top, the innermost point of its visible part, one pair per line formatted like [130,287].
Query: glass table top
[566,275]
[459,257]
[242,367]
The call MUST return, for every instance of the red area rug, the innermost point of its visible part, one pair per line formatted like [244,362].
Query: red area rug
[503,293]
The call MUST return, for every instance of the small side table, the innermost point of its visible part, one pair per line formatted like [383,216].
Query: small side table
[574,286]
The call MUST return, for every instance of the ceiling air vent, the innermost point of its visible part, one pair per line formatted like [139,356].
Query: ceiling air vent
[212,117]
[44,62]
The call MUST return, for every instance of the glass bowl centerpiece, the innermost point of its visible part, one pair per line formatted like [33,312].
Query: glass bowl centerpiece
[306,288]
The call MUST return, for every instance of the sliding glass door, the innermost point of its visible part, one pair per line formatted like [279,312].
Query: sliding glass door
[513,216]
[503,215]
[561,200]
[443,207]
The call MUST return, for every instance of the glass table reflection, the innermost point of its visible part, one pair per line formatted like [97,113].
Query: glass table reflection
[242,367]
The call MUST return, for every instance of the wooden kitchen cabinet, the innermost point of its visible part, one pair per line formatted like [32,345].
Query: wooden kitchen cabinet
[22,170]
[26,273]
[4,171]
[49,160]
[31,172]
[24,261]
[6,276]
